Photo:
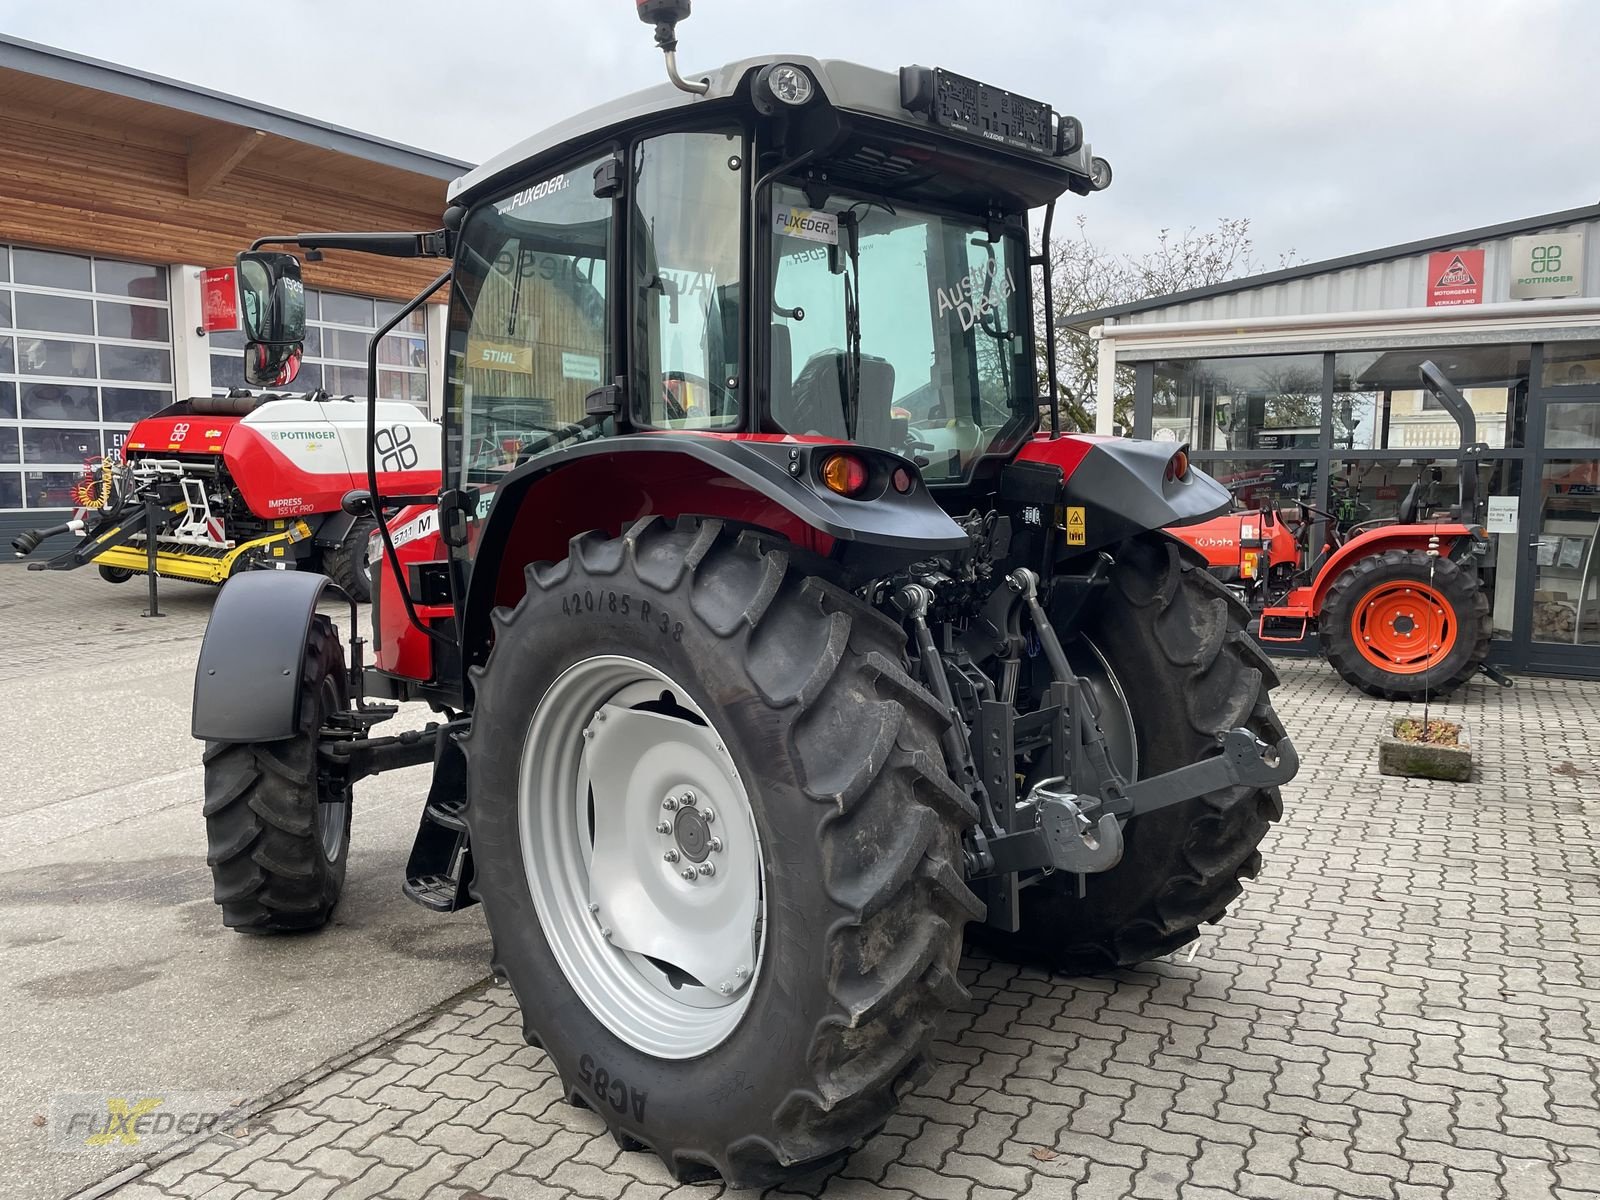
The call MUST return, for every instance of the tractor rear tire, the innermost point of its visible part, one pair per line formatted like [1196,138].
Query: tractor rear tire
[1174,640]
[115,574]
[347,563]
[277,849]
[833,772]
[1369,624]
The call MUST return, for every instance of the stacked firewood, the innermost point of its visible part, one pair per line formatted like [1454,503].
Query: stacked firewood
[1555,617]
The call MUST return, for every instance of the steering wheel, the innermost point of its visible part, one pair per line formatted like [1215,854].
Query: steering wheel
[721,399]
[1302,535]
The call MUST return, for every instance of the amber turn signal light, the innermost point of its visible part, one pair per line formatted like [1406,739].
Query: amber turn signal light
[1178,466]
[844,473]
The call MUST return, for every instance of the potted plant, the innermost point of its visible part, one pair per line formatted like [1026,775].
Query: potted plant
[1426,748]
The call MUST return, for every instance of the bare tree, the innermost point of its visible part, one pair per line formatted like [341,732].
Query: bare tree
[1087,276]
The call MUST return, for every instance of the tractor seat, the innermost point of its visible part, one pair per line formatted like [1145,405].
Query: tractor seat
[1411,505]
[226,406]
[815,403]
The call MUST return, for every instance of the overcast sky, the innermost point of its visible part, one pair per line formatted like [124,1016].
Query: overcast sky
[1335,127]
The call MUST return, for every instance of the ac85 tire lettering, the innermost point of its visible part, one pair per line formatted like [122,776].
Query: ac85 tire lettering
[612,1089]
[607,601]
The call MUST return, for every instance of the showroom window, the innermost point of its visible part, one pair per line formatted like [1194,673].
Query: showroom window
[1571,364]
[338,328]
[1267,402]
[1380,404]
[85,351]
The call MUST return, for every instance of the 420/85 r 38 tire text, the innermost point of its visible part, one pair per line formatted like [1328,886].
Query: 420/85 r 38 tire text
[783,704]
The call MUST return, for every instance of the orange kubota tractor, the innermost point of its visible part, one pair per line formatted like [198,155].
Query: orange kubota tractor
[1397,605]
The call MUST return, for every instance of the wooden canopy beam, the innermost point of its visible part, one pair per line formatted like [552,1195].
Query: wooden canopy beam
[213,155]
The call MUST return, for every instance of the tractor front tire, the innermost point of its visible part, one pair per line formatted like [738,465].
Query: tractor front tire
[1185,671]
[115,574]
[348,564]
[277,848]
[784,703]
[1404,624]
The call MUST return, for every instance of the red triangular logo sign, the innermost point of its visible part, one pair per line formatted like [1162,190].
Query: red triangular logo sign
[1456,275]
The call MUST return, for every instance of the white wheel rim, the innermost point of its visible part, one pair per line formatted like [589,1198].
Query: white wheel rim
[611,805]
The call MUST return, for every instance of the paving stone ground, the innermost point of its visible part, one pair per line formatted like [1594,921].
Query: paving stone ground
[1404,1007]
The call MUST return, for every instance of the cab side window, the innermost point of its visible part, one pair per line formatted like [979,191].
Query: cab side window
[530,321]
[687,203]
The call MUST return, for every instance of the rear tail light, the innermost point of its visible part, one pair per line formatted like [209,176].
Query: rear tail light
[1178,466]
[903,480]
[844,473]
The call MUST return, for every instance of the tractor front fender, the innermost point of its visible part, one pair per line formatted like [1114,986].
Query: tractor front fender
[766,482]
[247,683]
[1453,538]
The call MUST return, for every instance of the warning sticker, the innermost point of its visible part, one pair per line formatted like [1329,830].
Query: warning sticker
[808,224]
[1076,530]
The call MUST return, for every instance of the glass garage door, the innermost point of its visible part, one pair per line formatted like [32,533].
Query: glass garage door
[338,328]
[85,351]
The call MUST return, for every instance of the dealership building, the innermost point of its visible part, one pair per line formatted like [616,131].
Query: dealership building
[1302,384]
[117,189]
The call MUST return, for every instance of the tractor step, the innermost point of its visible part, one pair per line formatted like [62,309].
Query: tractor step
[437,892]
[448,813]
[440,867]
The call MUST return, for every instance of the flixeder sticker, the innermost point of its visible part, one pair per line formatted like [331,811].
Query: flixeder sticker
[530,194]
[808,224]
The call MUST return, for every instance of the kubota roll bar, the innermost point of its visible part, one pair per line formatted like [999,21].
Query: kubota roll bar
[1472,450]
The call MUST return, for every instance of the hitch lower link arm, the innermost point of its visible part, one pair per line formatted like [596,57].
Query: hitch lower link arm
[1062,833]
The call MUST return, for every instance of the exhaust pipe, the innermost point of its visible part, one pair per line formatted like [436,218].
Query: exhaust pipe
[26,542]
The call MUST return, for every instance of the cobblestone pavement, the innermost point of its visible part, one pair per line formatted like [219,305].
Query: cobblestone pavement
[1404,1007]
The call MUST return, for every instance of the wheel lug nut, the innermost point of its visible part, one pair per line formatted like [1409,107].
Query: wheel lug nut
[663,827]
[707,815]
[689,874]
[606,933]
[723,988]
[670,804]
[593,907]
[707,869]
[741,972]
[670,856]
[688,797]
[716,845]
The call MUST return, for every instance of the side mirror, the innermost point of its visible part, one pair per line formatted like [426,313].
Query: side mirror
[273,309]
[266,365]
[273,298]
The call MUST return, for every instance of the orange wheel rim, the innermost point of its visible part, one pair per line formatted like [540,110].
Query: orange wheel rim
[1403,628]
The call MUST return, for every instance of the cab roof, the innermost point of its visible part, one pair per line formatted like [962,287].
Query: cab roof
[846,86]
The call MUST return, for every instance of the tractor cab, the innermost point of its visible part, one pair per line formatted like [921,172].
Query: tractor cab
[784,248]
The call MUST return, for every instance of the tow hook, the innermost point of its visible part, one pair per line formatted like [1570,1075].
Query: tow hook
[1057,833]
[1075,842]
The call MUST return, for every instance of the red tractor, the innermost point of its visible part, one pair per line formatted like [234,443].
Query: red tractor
[1397,605]
[772,643]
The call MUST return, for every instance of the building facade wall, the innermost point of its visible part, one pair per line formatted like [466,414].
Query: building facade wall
[104,230]
[1397,283]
